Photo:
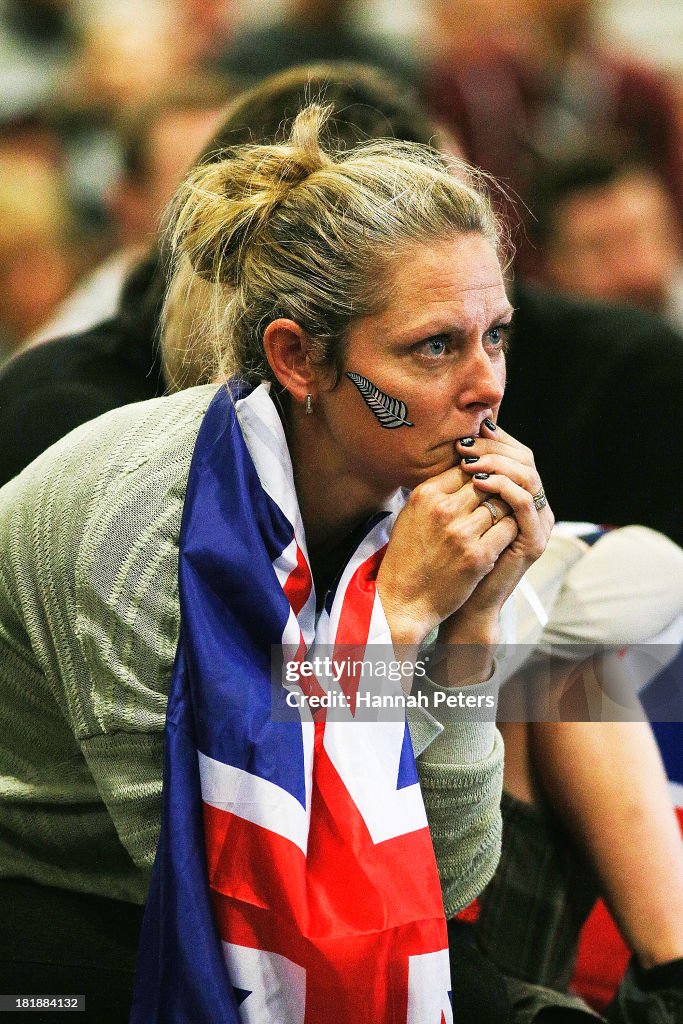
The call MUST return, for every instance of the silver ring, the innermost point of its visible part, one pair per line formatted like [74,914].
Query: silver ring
[539,500]
[493,510]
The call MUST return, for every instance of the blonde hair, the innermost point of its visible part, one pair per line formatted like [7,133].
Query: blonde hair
[293,231]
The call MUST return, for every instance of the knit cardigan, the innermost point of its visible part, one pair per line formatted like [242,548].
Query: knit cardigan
[89,623]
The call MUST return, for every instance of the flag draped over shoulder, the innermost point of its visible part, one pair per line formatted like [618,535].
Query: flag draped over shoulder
[295,880]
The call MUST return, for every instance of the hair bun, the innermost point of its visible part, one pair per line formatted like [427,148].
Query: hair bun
[305,137]
[223,208]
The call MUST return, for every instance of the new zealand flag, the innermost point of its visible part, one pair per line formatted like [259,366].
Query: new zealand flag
[295,880]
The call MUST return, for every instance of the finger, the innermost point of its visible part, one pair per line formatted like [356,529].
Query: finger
[499,537]
[476,518]
[473,447]
[526,476]
[494,431]
[448,482]
[534,525]
[489,513]
[438,510]
[465,502]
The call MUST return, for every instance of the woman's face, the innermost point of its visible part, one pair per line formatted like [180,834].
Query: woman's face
[438,347]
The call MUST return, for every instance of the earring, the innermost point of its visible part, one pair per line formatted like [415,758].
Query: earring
[308,405]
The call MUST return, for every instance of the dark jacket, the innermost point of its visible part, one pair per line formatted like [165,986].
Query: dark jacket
[48,390]
[595,391]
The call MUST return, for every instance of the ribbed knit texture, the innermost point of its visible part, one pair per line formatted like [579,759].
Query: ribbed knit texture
[89,621]
[463,808]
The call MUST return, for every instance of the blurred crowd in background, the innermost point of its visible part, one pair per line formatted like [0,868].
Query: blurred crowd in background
[104,105]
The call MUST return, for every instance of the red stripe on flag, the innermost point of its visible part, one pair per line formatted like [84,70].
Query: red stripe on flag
[298,584]
[254,865]
[470,914]
[354,622]
[309,685]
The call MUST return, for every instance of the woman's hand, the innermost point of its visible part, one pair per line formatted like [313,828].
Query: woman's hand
[447,560]
[443,545]
[511,484]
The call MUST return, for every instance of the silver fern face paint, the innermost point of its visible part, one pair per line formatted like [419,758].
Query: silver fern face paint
[390,412]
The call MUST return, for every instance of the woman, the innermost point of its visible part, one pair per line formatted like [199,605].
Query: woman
[640,877]
[377,382]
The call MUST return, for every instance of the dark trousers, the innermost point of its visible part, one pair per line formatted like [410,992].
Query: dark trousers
[55,942]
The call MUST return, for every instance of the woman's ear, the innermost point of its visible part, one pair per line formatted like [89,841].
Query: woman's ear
[286,347]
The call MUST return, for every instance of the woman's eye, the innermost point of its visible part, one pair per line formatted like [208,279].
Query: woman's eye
[497,336]
[434,347]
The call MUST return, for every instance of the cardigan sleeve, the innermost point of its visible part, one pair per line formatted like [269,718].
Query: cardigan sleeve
[89,623]
[460,765]
[462,801]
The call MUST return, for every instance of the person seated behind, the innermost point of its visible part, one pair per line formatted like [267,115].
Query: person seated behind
[311,31]
[572,833]
[38,253]
[159,140]
[606,229]
[548,88]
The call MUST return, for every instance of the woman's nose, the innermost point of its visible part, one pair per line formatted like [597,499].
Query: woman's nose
[484,381]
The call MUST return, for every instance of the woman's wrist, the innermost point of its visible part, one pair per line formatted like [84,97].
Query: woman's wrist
[405,634]
[408,626]
[482,629]
[464,653]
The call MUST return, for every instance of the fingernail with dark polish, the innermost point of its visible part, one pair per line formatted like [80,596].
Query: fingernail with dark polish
[481,476]
[490,424]
[467,442]
[470,459]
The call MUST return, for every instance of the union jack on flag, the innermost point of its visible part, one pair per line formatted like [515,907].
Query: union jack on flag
[295,880]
